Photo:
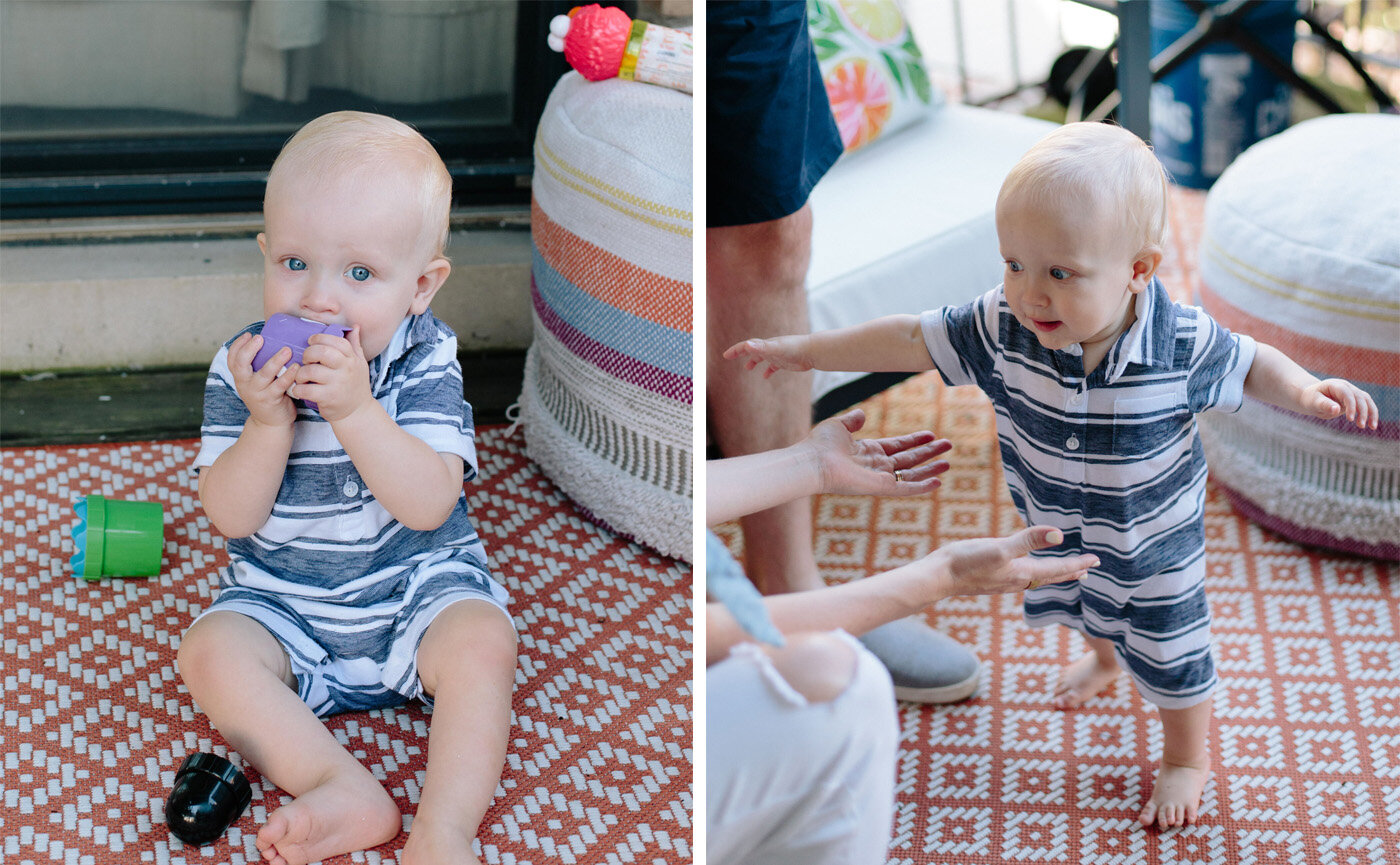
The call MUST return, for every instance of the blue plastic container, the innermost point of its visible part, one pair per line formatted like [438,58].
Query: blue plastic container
[1220,101]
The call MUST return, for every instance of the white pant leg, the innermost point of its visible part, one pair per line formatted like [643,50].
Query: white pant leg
[791,782]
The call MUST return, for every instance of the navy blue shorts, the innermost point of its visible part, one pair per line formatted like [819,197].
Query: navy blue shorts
[769,135]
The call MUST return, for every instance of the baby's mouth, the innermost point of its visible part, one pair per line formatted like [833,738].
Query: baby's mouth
[1046,326]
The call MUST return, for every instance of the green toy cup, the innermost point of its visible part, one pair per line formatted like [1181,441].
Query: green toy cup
[118,538]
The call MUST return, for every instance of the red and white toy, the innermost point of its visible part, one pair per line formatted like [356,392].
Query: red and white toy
[602,43]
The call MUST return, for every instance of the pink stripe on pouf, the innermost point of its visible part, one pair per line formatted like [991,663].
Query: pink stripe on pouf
[1309,535]
[611,361]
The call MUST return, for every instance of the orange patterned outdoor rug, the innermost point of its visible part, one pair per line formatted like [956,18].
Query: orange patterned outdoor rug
[1306,742]
[96,720]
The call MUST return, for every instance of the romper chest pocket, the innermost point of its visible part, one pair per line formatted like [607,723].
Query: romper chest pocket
[1142,425]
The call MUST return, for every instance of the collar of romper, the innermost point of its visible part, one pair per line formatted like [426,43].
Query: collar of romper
[412,331]
[1149,342]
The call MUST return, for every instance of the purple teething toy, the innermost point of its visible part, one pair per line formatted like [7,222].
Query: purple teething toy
[288,330]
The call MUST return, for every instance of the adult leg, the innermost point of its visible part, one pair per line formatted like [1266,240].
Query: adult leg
[801,755]
[241,677]
[755,277]
[466,662]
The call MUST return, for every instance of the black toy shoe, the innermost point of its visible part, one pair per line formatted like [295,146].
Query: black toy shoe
[210,793]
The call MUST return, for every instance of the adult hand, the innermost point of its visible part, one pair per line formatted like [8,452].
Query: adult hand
[894,466]
[985,566]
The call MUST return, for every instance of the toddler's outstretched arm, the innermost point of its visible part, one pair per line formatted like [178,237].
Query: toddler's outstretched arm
[894,343]
[1276,379]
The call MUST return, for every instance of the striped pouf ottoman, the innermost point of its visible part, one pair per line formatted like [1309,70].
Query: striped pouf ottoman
[1301,249]
[606,403]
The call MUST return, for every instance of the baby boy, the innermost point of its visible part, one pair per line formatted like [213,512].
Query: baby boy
[356,578]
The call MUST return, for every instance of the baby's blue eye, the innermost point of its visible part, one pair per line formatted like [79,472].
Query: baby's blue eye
[359,273]
[1013,266]
[1059,273]
[296,264]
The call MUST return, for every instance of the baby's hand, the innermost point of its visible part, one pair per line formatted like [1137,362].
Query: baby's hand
[1335,396]
[783,352]
[334,375]
[263,391]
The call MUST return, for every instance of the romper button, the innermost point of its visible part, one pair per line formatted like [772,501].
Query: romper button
[351,489]
[1072,443]
[1076,399]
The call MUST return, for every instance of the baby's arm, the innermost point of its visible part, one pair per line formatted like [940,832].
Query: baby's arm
[894,343]
[1276,379]
[414,483]
[240,488]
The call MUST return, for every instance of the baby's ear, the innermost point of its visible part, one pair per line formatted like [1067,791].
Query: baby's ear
[1144,268]
[429,281]
[262,242]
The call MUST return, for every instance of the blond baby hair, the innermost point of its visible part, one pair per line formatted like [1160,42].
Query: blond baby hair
[355,141]
[1098,165]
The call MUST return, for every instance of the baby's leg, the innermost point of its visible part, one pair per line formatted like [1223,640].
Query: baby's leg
[1087,676]
[466,662]
[1184,770]
[240,676]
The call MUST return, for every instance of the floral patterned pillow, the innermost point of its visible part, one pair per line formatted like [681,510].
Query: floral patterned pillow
[874,73]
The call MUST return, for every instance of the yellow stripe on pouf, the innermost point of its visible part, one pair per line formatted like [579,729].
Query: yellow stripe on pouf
[1334,303]
[633,206]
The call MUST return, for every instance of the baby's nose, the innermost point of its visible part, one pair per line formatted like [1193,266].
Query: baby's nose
[319,298]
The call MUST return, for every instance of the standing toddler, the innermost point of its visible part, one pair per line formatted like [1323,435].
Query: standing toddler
[1096,377]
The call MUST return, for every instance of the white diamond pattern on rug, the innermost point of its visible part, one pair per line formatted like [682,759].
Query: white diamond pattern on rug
[97,721]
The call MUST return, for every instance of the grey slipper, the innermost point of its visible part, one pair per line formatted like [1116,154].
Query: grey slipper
[926,666]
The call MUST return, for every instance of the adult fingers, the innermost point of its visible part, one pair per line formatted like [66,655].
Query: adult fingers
[907,485]
[1034,538]
[918,451]
[853,420]
[1043,571]
[923,472]
[894,445]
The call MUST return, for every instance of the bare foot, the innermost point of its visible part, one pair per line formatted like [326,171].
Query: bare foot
[434,845]
[1176,797]
[342,815]
[1083,679]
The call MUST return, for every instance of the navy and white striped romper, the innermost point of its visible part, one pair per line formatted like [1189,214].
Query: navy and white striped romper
[1114,460]
[347,589]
